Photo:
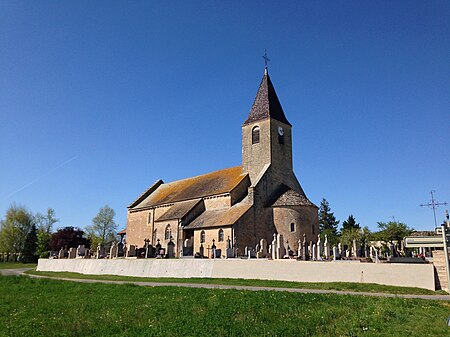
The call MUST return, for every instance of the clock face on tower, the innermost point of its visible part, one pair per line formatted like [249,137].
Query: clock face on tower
[280,131]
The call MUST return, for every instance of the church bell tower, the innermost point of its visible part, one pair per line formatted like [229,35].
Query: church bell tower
[267,136]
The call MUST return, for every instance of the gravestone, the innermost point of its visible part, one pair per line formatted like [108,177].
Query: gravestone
[319,248]
[305,253]
[120,252]
[335,252]
[356,249]
[72,253]
[280,247]
[87,254]
[299,249]
[327,247]
[171,249]
[81,251]
[274,247]
[314,252]
[131,251]
[340,249]
[113,251]
[310,250]
[61,254]
[262,251]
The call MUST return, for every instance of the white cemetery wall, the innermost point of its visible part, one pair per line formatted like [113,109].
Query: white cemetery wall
[406,275]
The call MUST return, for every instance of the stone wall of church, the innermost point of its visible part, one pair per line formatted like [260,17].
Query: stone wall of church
[255,156]
[215,202]
[304,220]
[138,227]
[210,234]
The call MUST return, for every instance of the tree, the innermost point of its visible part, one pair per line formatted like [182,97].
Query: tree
[350,223]
[392,231]
[43,243]
[45,222]
[15,228]
[68,237]
[362,235]
[104,228]
[29,250]
[327,222]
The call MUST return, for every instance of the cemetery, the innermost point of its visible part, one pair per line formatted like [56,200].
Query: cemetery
[312,262]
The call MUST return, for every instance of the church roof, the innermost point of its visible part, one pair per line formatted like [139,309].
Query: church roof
[179,210]
[266,103]
[214,183]
[219,217]
[290,197]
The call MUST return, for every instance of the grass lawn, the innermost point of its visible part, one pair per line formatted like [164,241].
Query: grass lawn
[44,307]
[15,265]
[359,287]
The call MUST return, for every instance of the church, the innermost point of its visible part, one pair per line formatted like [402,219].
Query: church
[234,207]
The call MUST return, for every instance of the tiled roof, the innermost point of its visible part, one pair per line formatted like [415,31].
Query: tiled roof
[289,197]
[219,217]
[179,210]
[214,183]
[266,103]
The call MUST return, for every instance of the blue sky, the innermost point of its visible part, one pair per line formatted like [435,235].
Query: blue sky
[99,99]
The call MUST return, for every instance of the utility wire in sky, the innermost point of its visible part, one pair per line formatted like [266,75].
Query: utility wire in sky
[41,176]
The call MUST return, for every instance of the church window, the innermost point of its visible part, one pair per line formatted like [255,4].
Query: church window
[168,233]
[255,135]
[292,227]
[221,235]
[281,139]
[202,237]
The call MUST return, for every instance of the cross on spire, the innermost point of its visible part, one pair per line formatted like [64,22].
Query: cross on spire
[266,59]
[433,204]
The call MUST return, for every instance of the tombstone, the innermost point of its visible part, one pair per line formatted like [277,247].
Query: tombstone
[310,250]
[131,251]
[340,249]
[61,254]
[326,246]
[391,249]
[202,250]
[87,254]
[280,247]
[305,253]
[113,251]
[356,249]
[319,248]
[376,257]
[125,250]
[335,252]
[120,251]
[81,251]
[371,253]
[274,247]
[263,247]
[171,249]
[299,249]
[348,253]
[72,253]
[314,252]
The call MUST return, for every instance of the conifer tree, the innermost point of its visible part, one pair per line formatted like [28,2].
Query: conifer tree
[327,221]
[350,223]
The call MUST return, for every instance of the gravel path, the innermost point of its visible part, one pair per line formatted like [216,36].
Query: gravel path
[219,286]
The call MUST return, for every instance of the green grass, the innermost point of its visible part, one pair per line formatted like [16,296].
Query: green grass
[358,287]
[45,307]
[16,265]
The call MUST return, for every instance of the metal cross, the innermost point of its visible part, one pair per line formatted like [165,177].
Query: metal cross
[433,204]
[266,59]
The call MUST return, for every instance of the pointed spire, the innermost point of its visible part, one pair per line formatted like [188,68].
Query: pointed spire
[266,104]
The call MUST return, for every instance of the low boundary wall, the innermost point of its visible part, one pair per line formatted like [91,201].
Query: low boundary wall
[404,275]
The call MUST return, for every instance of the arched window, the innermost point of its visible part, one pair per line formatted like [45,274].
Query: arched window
[220,235]
[281,139]
[202,237]
[168,233]
[255,135]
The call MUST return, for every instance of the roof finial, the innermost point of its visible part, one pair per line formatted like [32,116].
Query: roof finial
[266,61]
